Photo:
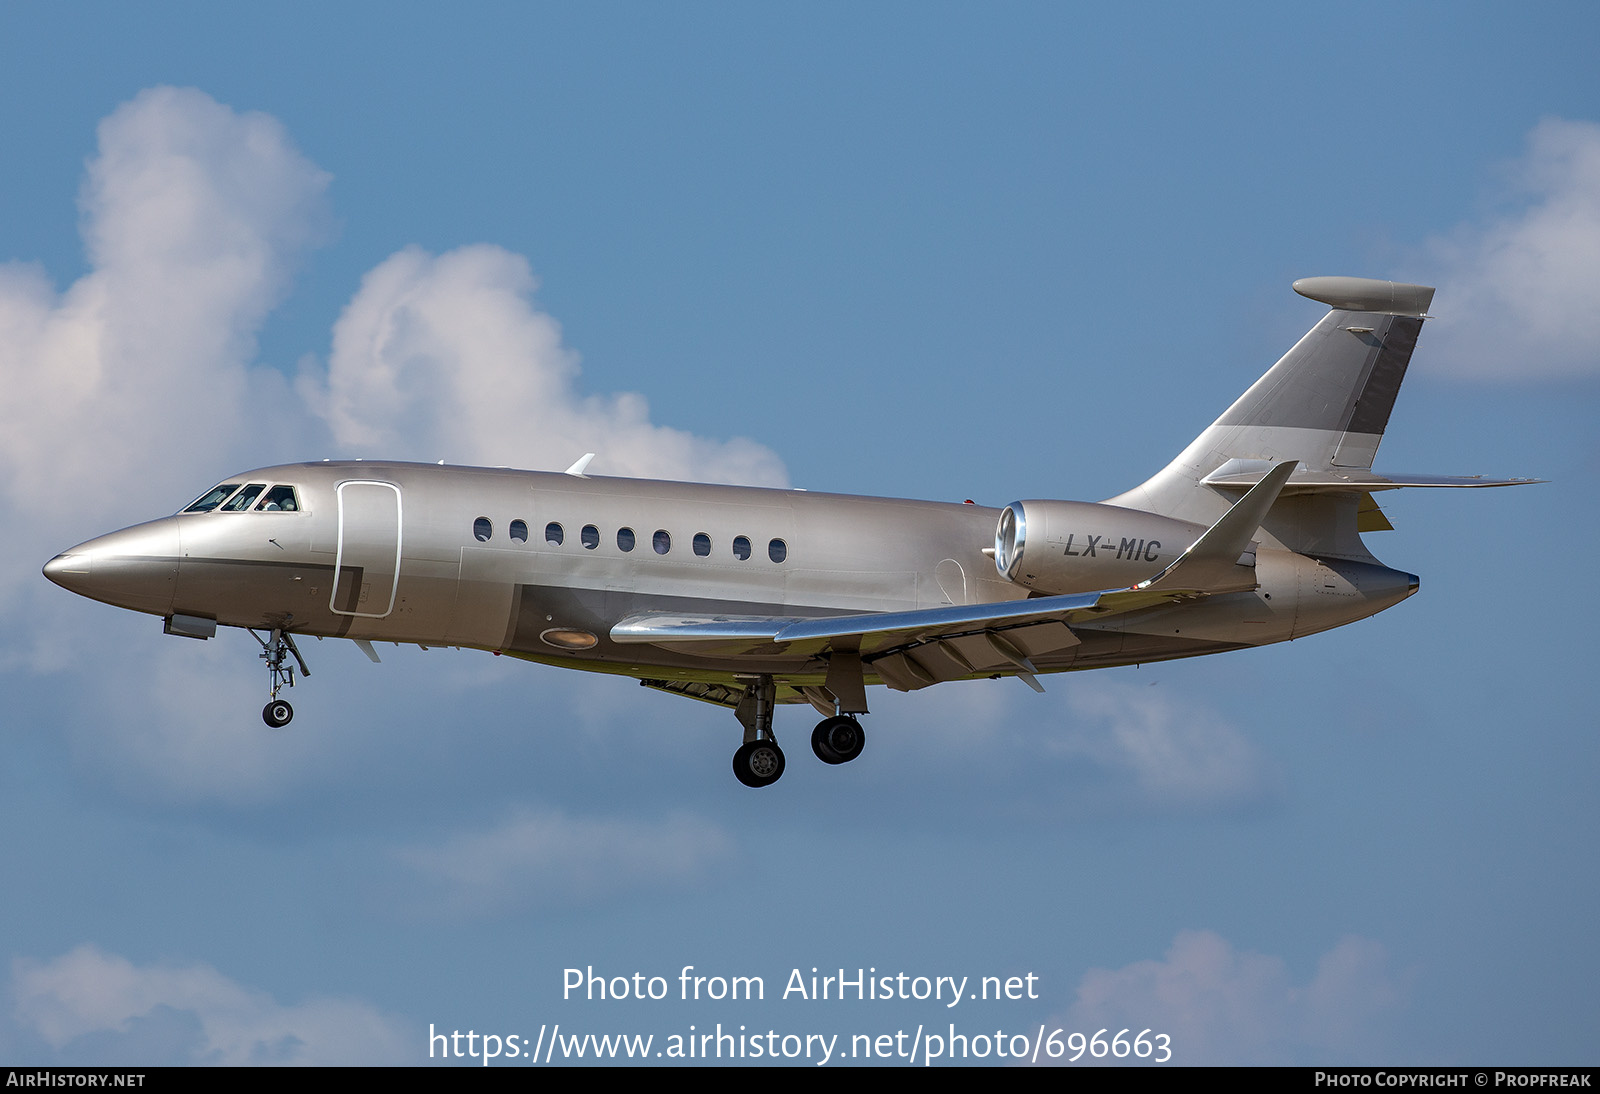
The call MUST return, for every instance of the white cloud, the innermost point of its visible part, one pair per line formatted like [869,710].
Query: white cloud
[193,217]
[88,993]
[1519,296]
[539,858]
[127,393]
[1220,1005]
[1177,752]
[446,357]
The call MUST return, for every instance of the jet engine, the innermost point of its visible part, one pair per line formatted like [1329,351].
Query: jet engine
[1078,547]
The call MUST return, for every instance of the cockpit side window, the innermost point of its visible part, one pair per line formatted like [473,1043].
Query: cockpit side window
[241,501]
[212,498]
[279,498]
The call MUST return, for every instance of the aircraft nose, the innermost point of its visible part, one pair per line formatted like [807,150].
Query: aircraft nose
[135,568]
[70,569]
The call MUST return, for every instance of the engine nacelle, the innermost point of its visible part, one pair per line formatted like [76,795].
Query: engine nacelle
[1078,547]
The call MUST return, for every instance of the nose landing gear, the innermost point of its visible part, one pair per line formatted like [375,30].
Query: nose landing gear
[275,651]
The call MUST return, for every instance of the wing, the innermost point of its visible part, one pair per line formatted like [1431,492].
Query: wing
[907,650]
[913,649]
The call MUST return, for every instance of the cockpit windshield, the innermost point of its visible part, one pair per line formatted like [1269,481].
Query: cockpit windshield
[280,497]
[212,498]
[223,499]
[241,501]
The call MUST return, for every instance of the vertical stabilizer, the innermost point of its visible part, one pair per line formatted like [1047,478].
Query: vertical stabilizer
[1325,404]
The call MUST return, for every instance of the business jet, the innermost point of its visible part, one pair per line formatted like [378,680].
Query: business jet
[753,598]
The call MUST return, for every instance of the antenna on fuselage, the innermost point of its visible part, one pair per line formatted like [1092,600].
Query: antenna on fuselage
[577,469]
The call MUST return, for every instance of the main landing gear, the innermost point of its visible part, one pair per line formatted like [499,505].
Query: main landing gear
[839,739]
[276,651]
[759,761]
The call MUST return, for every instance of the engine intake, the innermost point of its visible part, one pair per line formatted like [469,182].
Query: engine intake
[1076,547]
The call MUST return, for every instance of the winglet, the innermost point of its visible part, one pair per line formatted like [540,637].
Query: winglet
[1211,564]
[577,469]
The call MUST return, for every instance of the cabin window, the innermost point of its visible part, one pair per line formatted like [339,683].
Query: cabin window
[741,548]
[241,501]
[554,535]
[624,539]
[662,542]
[590,536]
[279,498]
[702,544]
[777,550]
[212,498]
[519,531]
[482,529]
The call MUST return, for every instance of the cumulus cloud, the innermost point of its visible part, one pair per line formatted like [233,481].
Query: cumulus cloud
[191,1014]
[130,389]
[1519,295]
[446,356]
[194,217]
[539,858]
[1221,1005]
[1176,752]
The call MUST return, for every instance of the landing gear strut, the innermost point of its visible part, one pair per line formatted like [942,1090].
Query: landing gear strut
[759,761]
[275,651]
[838,740]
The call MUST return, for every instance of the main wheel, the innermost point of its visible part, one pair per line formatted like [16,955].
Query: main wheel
[758,763]
[838,740]
[277,713]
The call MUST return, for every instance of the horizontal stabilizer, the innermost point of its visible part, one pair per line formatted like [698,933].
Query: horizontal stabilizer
[1243,474]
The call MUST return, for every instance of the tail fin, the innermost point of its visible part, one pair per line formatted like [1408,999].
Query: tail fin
[1325,404]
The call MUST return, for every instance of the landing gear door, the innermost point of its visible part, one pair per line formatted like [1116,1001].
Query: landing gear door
[367,564]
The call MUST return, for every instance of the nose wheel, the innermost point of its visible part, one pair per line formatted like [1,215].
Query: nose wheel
[276,651]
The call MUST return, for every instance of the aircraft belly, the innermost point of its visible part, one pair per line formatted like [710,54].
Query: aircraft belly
[1236,618]
[1108,651]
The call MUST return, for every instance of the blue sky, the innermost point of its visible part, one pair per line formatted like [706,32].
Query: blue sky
[911,250]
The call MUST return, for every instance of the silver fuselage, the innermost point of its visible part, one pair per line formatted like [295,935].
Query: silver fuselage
[424,554]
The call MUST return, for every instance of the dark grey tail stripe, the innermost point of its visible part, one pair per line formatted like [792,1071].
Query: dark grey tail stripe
[1376,400]
[1336,379]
